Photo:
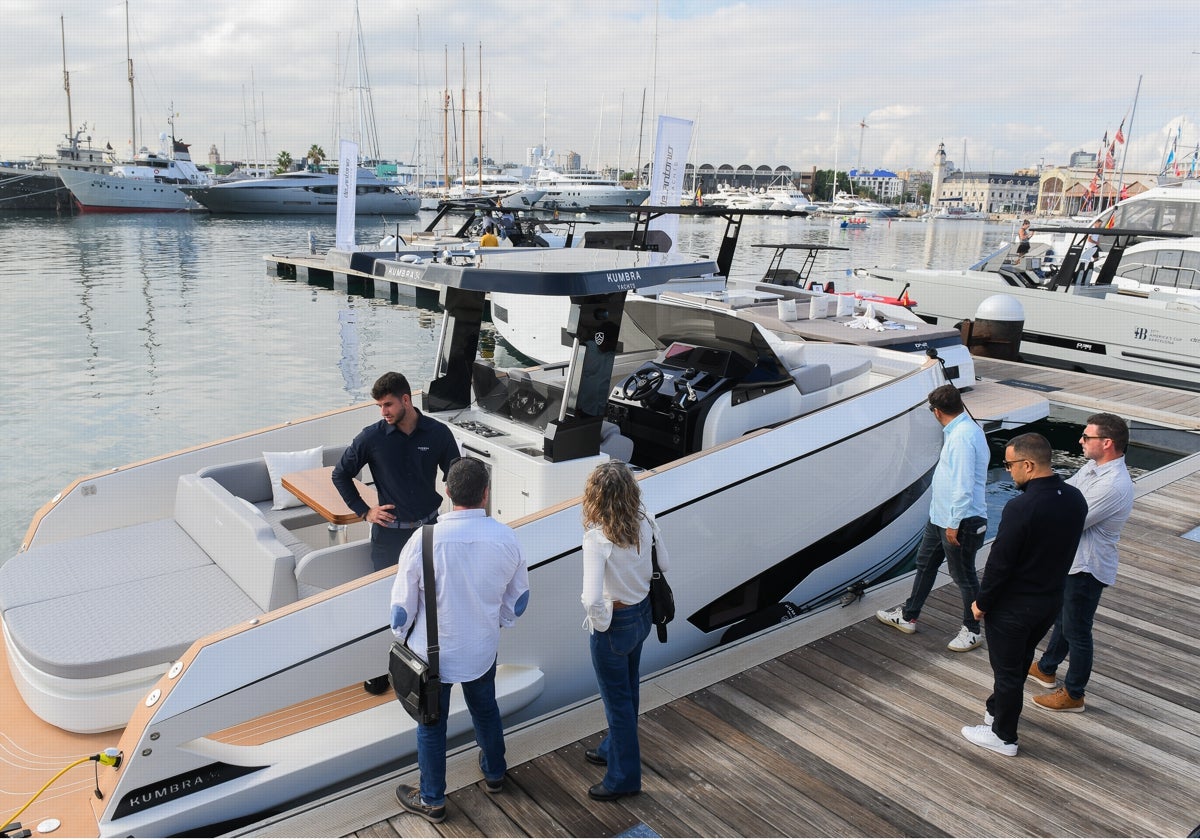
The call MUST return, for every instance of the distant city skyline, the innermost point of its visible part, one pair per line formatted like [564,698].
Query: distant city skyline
[1014,85]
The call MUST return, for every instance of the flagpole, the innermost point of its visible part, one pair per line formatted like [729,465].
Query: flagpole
[1125,153]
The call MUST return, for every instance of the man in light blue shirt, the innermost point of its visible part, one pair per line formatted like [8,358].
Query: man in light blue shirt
[957,519]
[1105,483]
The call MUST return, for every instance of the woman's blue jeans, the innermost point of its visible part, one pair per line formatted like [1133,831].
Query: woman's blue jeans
[616,656]
[480,695]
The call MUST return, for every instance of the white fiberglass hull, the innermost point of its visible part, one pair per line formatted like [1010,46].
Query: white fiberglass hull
[574,197]
[96,192]
[1097,331]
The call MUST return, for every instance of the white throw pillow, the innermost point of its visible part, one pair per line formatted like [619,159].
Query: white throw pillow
[280,464]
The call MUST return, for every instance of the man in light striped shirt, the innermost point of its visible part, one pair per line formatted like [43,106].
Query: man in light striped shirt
[1105,483]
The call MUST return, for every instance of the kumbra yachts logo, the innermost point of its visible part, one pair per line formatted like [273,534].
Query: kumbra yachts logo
[623,278]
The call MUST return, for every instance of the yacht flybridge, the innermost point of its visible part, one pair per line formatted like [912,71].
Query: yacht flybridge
[232,642]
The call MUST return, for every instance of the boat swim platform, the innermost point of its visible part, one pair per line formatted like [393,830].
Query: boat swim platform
[835,725]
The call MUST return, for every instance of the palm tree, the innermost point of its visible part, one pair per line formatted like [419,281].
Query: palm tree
[283,163]
[315,155]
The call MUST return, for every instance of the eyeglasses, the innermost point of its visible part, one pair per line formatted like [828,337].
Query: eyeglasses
[1091,437]
[1008,465]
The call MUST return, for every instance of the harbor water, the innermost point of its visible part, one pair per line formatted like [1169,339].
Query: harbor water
[128,336]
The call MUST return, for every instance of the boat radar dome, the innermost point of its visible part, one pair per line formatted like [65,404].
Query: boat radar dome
[1000,308]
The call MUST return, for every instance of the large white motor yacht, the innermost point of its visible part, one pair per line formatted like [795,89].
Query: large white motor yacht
[580,190]
[150,183]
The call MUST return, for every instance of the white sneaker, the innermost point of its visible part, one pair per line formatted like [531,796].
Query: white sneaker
[988,719]
[895,618]
[965,640]
[983,736]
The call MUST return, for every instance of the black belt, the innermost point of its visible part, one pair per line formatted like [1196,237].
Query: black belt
[425,520]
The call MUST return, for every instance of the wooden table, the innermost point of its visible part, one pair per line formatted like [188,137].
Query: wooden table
[315,488]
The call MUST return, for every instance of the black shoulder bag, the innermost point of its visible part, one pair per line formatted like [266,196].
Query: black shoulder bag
[417,684]
[662,599]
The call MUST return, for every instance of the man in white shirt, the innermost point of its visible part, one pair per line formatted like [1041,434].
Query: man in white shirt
[482,584]
[1105,483]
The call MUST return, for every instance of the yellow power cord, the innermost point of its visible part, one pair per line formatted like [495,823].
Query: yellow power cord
[57,776]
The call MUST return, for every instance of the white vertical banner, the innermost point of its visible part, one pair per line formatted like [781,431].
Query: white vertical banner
[666,181]
[347,185]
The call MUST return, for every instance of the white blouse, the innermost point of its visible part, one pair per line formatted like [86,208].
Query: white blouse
[616,573]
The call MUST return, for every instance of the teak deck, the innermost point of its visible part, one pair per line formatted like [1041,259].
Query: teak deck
[857,733]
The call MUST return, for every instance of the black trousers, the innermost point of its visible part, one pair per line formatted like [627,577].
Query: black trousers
[1013,630]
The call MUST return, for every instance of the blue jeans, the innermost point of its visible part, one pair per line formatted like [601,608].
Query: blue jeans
[960,562]
[480,695]
[617,656]
[1072,632]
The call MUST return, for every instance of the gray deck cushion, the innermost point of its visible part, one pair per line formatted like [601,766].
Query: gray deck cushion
[811,378]
[332,566]
[135,624]
[843,366]
[237,539]
[104,559]
[250,479]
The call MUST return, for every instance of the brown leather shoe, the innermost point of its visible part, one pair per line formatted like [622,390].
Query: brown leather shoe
[1041,677]
[1059,701]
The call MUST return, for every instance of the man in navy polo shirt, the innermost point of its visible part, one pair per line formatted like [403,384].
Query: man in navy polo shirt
[403,450]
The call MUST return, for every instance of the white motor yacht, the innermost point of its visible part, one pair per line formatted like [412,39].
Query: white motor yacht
[580,190]
[1077,317]
[170,600]
[150,183]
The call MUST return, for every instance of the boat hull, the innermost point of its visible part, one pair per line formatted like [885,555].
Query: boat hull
[297,201]
[1097,331]
[100,193]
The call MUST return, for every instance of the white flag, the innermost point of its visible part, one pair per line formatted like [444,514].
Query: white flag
[666,181]
[347,185]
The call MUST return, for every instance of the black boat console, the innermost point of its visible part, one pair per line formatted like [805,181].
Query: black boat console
[662,406]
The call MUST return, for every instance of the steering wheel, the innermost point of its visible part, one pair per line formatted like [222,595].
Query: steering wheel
[528,403]
[642,384]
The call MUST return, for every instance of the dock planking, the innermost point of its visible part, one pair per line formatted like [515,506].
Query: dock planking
[857,733]
[1132,400]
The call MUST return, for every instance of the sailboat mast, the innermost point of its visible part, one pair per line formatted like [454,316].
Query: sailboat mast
[132,111]
[641,126]
[480,117]
[446,123]
[66,79]
[463,163]
[1125,152]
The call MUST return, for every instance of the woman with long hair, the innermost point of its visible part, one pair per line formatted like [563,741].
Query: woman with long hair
[618,540]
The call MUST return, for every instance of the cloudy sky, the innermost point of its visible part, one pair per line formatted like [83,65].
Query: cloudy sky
[1014,83]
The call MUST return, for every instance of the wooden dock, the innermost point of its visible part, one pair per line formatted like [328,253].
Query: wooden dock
[1155,404]
[837,725]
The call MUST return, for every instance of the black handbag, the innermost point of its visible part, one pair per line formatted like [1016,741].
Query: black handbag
[416,682]
[662,599]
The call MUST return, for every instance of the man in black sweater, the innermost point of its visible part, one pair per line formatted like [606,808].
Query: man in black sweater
[1021,591]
